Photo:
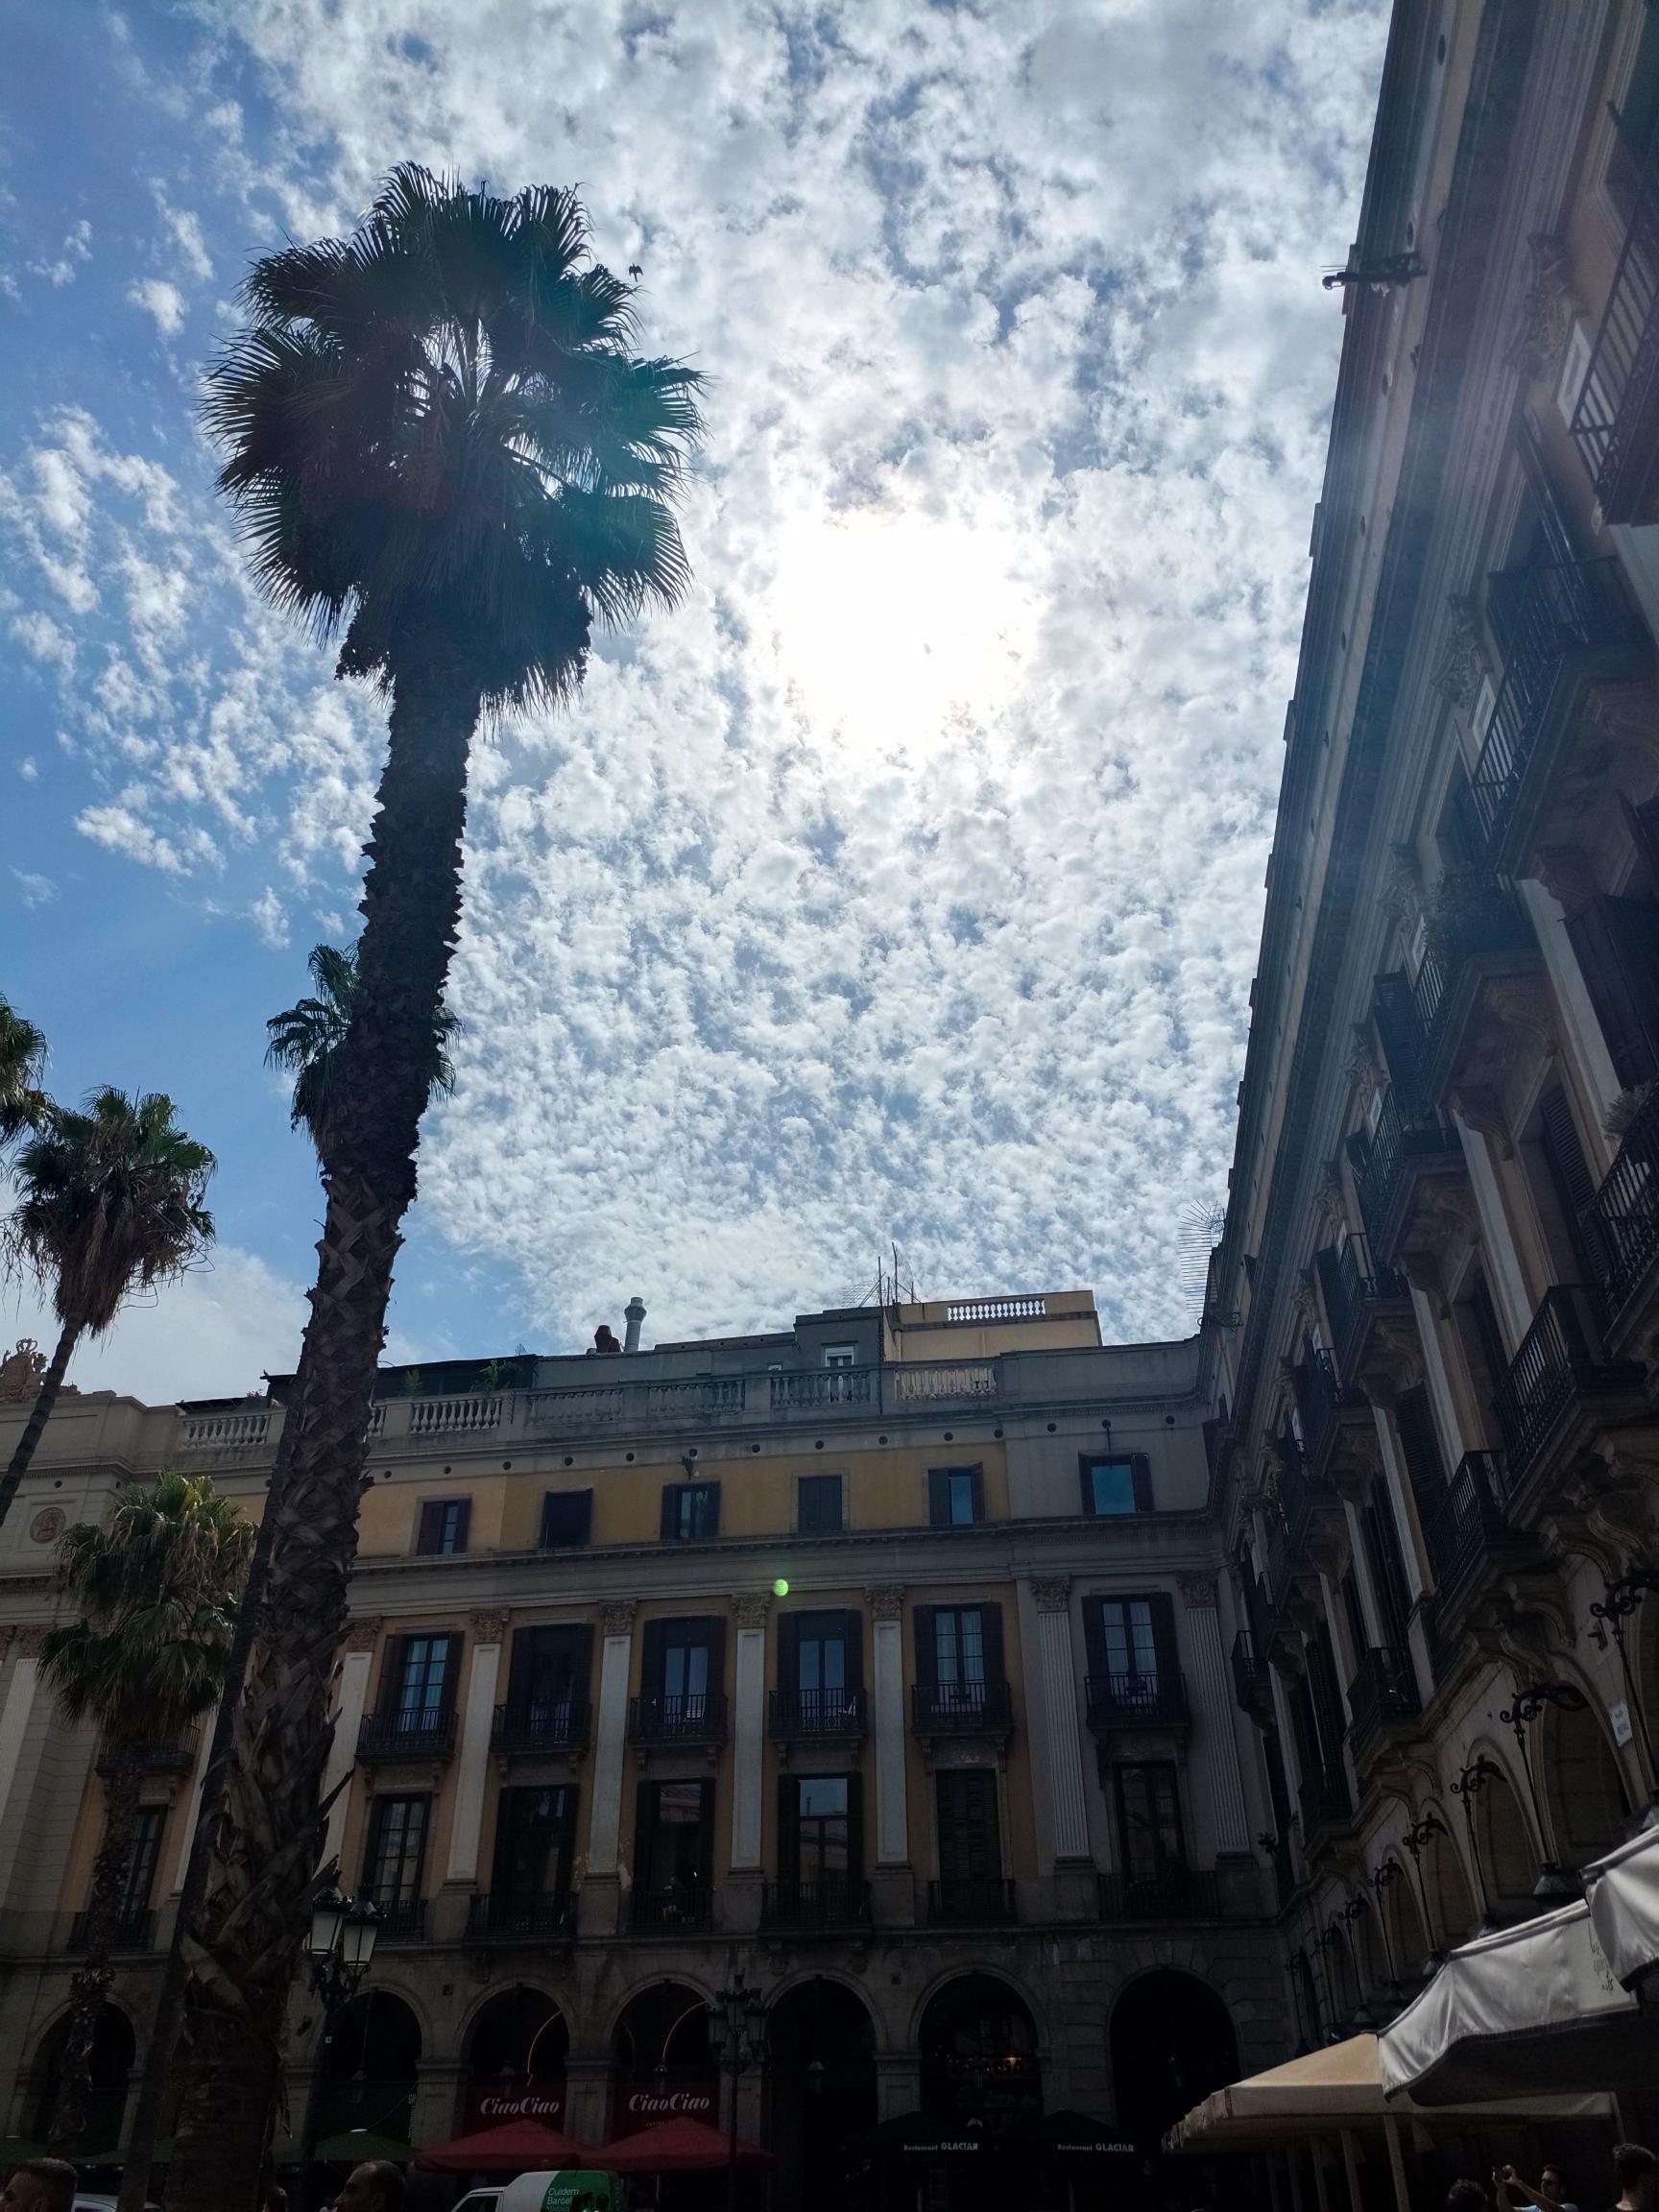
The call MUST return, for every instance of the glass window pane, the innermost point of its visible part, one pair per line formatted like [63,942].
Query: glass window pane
[1112,1484]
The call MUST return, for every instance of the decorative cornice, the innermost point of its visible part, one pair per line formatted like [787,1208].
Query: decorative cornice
[489,1625]
[1198,1593]
[750,1607]
[617,1616]
[885,1600]
[1052,1592]
[363,1633]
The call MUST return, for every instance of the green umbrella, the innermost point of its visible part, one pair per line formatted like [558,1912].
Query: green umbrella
[358,2144]
[13,2149]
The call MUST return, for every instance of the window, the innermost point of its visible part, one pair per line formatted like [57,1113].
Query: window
[959,1662]
[818,1833]
[818,1505]
[547,1684]
[969,1841]
[674,1853]
[445,1523]
[681,1679]
[820,1670]
[1148,1827]
[534,1830]
[690,1512]
[422,1674]
[396,1851]
[1120,1485]
[567,1518]
[1134,1671]
[840,1355]
[140,1876]
[955,1496]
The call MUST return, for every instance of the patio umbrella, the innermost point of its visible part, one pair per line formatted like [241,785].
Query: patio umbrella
[919,2135]
[677,2147]
[1060,2137]
[521,2147]
[360,2143]
[1623,1894]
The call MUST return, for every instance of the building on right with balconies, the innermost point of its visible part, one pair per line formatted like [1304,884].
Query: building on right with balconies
[1437,1291]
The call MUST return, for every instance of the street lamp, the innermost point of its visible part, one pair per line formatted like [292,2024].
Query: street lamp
[741,2014]
[1418,1836]
[1553,1887]
[339,1951]
[1610,1613]
[1466,1788]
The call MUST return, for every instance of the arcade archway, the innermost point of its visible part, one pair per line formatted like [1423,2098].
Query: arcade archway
[664,2062]
[1171,2043]
[112,2068]
[1583,1790]
[821,2069]
[979,2056]
[515,2062]
[368,2069]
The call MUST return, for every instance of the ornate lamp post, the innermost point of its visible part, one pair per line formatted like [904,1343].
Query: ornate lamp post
[1466,1788]
[339,1952]
[1553,1887]
[741,2016]
[1385,1878]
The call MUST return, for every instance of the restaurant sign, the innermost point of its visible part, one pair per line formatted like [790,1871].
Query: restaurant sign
[644,2104]
[490,2105]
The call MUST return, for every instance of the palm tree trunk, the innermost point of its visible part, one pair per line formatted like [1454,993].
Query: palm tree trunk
[51,1383]
[267,1845]
[93,1978]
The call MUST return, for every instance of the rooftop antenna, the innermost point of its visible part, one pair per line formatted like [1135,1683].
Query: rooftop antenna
[1198,1232]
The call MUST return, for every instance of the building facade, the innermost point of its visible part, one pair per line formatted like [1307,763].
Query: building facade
[882,1659]
[1436,1298]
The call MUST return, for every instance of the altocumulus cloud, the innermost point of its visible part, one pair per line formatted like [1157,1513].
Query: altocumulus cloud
[904,884]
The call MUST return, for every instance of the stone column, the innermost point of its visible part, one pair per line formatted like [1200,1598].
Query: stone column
[892,1819]
[1051,1688]
[741,1904]
[1211,1694]
[19,1705]
[598,1899]
[477,1723]
[358,1655]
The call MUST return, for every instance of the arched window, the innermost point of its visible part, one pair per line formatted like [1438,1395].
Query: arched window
[1172,2042]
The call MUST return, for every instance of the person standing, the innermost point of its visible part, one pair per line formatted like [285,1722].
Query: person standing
[40,2185]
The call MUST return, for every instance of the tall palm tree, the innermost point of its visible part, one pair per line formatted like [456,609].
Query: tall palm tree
[110,1203]
[157,1587]
[22,1063]
[306,1038]
[443,452]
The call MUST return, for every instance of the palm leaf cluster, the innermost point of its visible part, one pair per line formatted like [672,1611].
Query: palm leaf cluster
[22,1063]
[435,426]
[306,1039]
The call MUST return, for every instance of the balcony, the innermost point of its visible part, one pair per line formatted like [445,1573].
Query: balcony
[977,1901]
[1616,420]
[1622,1221]
[1383,1694]
[818,1386]
[1559,1364]
[1116,1702]
[1470,1529]
[560,1724]
[1175,1893]
[135,1930]
[820,1716]
[493,1919]
[402,1919]
[1568,626]
[1408,1147]
[1478,932]
[1326,1802]
[1327,1407]
[945,1709]
[688,1719]
[833,1902]
[416,1733]
[1359,1293]
[682,1909]
[1251,1685]
[1290,1516]
[150,1757]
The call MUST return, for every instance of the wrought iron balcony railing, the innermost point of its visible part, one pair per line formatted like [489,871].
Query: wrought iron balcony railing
[418,1732]
[550,1725]
[1326,1800]
[1174,1892]
[1117,1701]
[1471,1524]
[837,1714]
[1559,1360]
[494,1916]
[1477,919]
[1404,1145]
[978,1901]
[402,1919]
[135,1930]
[1322,1400]
[1622,1221]
[832,1901]
[1357,1287]
[961,1708]
[1250,1683]
[689,1719]
[682,1905]
[1614,418]
[1384,1691]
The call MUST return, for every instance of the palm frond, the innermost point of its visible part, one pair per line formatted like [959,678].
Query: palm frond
[22,1064]
[306,1039]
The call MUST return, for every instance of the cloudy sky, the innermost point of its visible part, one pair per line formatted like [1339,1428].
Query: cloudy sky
[904,886]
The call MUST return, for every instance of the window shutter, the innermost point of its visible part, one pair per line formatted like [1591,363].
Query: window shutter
[938,1496]
[788,1654]
[452,1649]
[716,1657]
[1140,1474]
[1164,1642]
[644,1833]
[1420,1446]
[854,1651]
[391,1672]
[927,1645]
[705,1834]
[518,1663]
[463,1524]
[709,1519]
[1616,942]
[427,1541]
[854,1828]
[650,1658]
[978,1473]
[1396,1019]
[991,1628]
[1575,1188]
[584,1670]
[1094,1635]
[788,1828]
[1325,1267]
[671,1510]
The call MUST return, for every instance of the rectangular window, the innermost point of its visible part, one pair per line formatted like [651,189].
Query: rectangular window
[445,1523]
[547,1683]
[818,1500]
[840,1355]
[681,1676]
[820,1671]
[534,1828]
[1133,1666]
[1117,1485]
[567,1518]
[955,1496]
[959,1663]
[969,1841]
[822,1838]
[140,1877]
[396,1851]
[675,1853]
[423,1678]
[690,1512]
[1148,1824]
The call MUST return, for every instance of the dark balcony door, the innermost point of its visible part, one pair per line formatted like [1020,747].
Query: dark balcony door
[423,1674]
[819,1838]
[140,1876]
[1150,1829]
[548,1678]
[1387,1567]
[396,1851]
[1131,1646]
[534,1830]
[820,1668]
[675,1858]
[970,1839]
[958,1654]
[683,1661]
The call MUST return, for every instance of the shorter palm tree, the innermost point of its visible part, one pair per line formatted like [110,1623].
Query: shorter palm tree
[306,1039]
[156,1589]
[22,1063]
[110,1203]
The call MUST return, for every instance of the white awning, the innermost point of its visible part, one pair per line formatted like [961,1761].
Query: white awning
[1533,2008]
[1622,1892]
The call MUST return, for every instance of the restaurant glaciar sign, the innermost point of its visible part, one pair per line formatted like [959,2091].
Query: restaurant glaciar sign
[642,2104]
[490,2105]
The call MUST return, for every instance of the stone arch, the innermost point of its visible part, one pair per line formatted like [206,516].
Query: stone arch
[889,2034]
[368,2066]
[663,2059]
[514,2049]
[1408,1937]
[1583,1791]
[1172,2041]
[1341,1979]
[114,2048]
[1506,1851]
[821,2074]
[999,1973]
[980,2052]
[1455,1910]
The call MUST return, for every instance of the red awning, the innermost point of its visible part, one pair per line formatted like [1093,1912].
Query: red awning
[522,2146]
[677,2147]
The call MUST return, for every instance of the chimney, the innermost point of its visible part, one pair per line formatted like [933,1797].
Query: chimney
[634,1313]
